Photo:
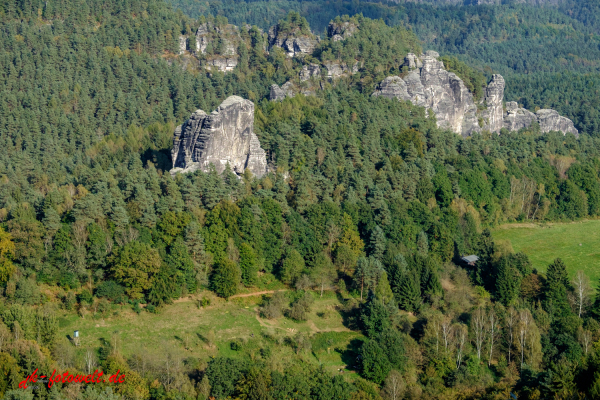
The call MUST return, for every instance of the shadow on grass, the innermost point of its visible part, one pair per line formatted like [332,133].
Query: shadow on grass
[349,311]
[350,354]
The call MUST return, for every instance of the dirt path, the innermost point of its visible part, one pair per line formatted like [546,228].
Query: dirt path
[257,293]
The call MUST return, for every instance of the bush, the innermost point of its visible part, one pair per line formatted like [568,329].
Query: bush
[27,292]
[151,308]
[69,301]
[237,345]
[301,307]
[274,306]
[136,307]
[205,302]
[112,291]
[85,297]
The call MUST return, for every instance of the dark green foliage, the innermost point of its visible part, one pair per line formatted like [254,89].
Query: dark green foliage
[222,374]
[301,307]
[557,286]
[374,317]
[111,290]
[248,264]
[225,278]
[375,364]
[85,297]
[408,291]
[508,281]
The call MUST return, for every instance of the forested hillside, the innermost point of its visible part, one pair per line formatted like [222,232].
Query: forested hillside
[547,53]
[366,198]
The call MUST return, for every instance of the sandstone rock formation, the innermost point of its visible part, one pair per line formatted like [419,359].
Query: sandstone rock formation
[517,118]
[224,137]
[340,30]
[309,71]
[431,86]
[549,120]
[294,43]
[223,56]
[183,43]
[338,70]
[428,84]
[279,93]
[493,115]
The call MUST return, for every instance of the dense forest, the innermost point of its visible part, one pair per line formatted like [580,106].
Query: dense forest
[367,198]
[548,54]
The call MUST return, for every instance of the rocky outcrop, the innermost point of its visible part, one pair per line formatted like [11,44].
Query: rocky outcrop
[493,115]
[224,137]
[222,64]
[393,86]
[338,30]
[549,120]
[338,70]
[517,118]
[223,54]
[309,71]
[429,85]
[279,93]
[183,44]
[295,43]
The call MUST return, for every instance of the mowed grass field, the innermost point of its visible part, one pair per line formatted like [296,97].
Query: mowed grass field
[205,332]
[576,243]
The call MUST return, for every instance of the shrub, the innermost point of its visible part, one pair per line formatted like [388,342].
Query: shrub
[301,307]
[69,301]
[85,297]
[112,291]
[274,306]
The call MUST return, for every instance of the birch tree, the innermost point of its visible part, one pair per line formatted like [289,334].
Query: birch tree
[492,329]
[460,333]
[523,330]
[511,322]
[394,386]
[478,321]
[581,284]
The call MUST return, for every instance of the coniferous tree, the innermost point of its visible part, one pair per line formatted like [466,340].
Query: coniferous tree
[225,278]
[408,292]
[248,264]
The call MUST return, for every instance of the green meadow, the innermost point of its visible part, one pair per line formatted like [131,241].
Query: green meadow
[576,243]
[194,332]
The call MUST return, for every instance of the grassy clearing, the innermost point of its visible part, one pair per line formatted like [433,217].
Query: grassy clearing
[577,243]
[204,332]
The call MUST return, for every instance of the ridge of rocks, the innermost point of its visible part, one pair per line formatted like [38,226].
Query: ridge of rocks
[428,84]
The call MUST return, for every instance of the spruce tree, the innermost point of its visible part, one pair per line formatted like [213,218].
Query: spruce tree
[408,292]
[248,264]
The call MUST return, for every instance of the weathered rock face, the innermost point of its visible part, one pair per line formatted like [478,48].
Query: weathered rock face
[223,56]
[183,43]
[549,120]
[429,85]
[393,86]
[309,71]
[517,118]
[222,64]
[340,30]
[493,116]
[224,137]
[295,44]
[337,70]
[279,93]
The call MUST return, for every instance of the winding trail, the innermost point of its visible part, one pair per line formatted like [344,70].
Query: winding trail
[257,293]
